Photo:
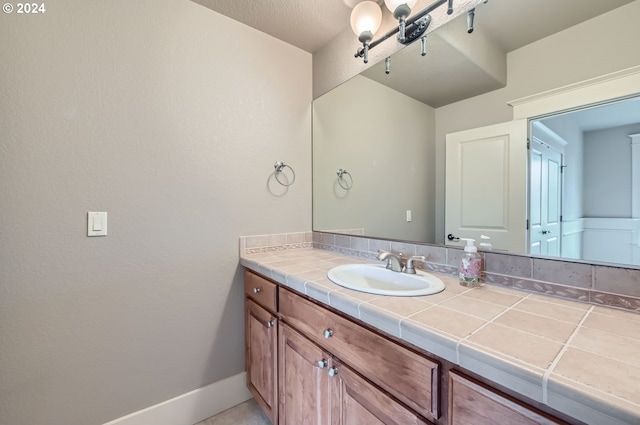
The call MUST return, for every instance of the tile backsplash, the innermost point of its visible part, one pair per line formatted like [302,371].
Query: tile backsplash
[616,287]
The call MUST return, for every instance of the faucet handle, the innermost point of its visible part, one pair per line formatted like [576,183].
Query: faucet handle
[394,261]
[409,269]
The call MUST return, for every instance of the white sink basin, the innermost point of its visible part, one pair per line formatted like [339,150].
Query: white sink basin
[377,279]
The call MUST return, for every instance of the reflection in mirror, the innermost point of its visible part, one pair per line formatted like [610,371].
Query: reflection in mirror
[584,167]
[389,131]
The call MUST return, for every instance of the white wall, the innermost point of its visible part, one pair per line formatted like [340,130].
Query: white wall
[384,139]
[607,177]
[169,117]
[602,45]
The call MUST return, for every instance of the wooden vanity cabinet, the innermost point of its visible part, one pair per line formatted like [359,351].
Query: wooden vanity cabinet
[304,380]
[355,401]
[410,377]
[307,364]
[317,389]
[395,372]
[472,403]
[261,342]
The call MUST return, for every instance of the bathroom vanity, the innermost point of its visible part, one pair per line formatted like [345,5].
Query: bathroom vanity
[320,353]
[307,363]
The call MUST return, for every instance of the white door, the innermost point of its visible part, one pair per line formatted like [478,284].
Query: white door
[486,185]
[545,199]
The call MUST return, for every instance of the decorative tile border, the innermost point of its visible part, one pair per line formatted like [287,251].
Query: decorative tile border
[278,242]
[574,281]
[614,300]
[557,278]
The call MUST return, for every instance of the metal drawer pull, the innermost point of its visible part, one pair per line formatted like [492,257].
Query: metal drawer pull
[333,371]
[328,333]
[270,323]
[256,290]
[322,363]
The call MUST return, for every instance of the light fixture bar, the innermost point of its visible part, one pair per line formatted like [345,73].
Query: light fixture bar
[412,24]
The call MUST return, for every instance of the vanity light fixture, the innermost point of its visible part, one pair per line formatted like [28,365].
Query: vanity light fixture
[409,28]
[366,18]
[401,10]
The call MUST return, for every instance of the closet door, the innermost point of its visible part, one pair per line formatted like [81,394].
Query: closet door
[486,185]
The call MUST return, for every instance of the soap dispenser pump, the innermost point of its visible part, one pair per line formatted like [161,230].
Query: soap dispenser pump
[470,270]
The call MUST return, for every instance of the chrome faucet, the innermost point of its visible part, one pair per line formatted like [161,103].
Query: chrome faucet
[394,261]
[409,269]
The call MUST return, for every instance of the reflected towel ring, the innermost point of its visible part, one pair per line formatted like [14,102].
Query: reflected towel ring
[341,180]
[280,166]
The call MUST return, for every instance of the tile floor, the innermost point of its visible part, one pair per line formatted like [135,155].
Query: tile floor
[247,413]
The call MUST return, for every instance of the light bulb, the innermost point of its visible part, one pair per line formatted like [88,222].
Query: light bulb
[394,7]
[366,18]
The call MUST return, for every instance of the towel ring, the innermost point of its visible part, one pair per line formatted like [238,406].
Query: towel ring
[280,166]
[342,181]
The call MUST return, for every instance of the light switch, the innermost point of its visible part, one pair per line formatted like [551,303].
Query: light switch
[408,215]
[96,223]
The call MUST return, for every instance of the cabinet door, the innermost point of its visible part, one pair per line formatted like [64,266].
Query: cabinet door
[261,345]
[304,384]
[409,377]
[471,403]
[354,401]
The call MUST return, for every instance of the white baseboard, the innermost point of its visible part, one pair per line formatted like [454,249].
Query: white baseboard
[194,406]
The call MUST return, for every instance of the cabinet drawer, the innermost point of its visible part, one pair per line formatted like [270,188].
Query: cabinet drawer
[261,290]
[471,403]
[408,376]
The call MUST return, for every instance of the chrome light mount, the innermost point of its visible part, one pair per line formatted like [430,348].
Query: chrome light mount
[414,29]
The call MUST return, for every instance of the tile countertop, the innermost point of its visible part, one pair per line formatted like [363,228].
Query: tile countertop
[579,359]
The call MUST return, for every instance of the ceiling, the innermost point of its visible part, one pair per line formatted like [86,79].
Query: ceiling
[310,24]
[593,118]
[502,25]
[307,24]
[470,65]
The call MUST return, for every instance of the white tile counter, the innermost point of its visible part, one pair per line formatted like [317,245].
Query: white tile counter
[579,359]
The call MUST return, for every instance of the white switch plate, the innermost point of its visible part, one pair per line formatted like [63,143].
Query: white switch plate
[408,215]
[96,223]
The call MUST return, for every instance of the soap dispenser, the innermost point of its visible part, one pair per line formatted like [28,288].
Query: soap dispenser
[470,270]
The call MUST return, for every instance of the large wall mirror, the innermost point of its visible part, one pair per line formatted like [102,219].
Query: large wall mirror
[379,140]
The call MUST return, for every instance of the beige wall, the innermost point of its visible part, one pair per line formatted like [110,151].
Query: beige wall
[599,46]
[169,117]
[385,140]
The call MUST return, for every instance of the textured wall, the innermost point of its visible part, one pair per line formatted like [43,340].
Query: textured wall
[385,140]
[169,117]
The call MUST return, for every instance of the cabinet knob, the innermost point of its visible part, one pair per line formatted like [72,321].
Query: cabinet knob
[270,323]
[333,371]
[322,363]
[328,333]
[256,290]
